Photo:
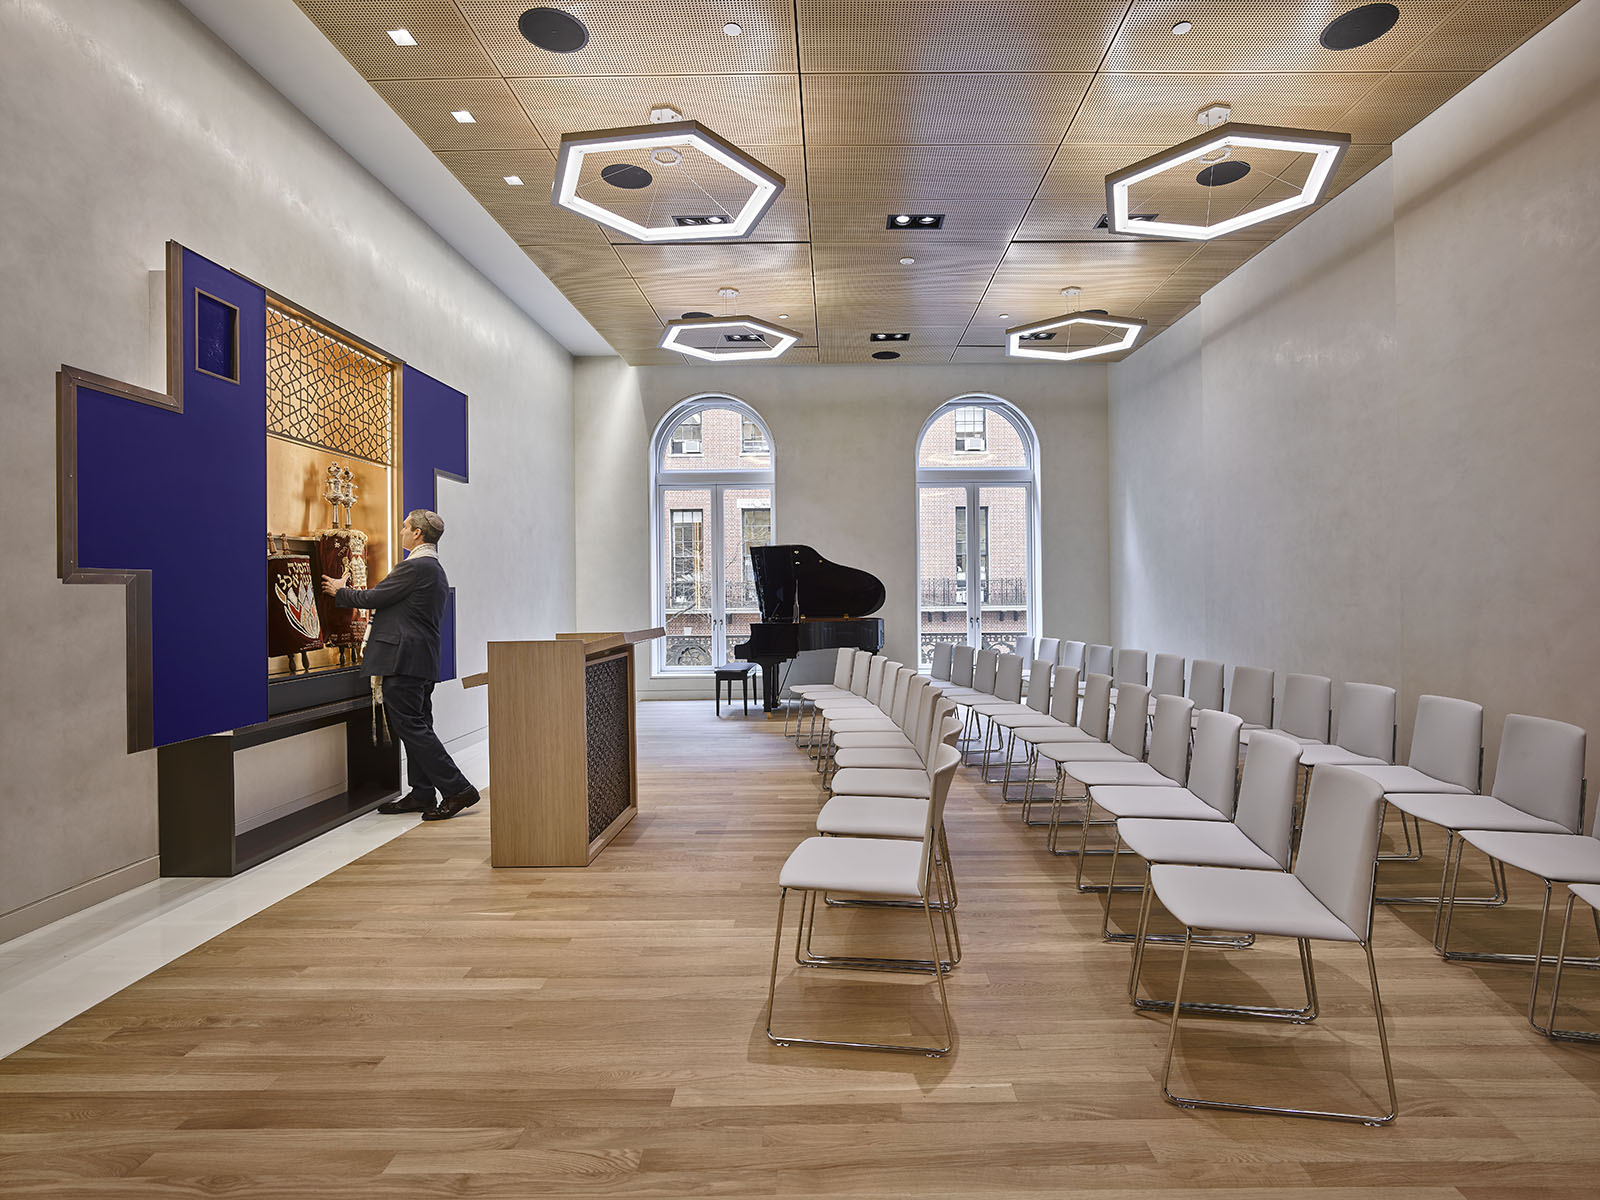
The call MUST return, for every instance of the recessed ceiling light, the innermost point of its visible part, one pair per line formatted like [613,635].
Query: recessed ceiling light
[463,117]
[402,37]
[891,337]
[514,180]
[914,221]
[783,316]
[1359,26]
[1181,28]
[1005,316]
[553,30]
[732,29]
[902,219]
[906,262]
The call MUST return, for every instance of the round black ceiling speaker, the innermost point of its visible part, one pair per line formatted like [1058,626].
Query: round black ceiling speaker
[886,354]
[1230,170]
[1359,26]
[553,30]
[692,316]
[626,175]
[1095,312]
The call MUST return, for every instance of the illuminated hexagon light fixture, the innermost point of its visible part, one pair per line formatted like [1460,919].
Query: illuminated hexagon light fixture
[669,181]
[728,339]
[1207,151]
[1110,335]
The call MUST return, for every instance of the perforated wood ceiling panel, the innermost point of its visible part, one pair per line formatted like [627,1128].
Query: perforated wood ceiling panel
[1004,116]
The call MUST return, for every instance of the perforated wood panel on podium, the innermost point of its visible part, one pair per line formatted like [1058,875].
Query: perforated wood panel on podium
[562,765]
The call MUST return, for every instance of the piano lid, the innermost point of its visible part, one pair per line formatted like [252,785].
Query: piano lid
[795,581]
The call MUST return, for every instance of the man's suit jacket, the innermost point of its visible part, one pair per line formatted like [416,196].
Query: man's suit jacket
[407,607]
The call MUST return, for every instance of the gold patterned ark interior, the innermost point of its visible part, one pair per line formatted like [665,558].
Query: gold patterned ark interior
[326,392]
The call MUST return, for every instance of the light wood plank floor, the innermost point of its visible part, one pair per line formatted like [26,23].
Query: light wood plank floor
[418,1024]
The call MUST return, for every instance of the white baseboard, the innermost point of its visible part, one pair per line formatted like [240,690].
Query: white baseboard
[77,898]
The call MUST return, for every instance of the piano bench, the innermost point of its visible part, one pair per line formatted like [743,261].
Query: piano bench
[726,674]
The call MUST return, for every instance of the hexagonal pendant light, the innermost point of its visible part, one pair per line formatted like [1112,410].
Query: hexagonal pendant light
[1207,149]
[1022,341]
[633,160]
[728,339]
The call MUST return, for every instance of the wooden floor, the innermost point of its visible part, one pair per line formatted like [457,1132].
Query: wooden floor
[418,1024]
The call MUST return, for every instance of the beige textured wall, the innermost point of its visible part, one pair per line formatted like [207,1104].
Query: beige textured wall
[123,125]
[845,441]
[1396,408]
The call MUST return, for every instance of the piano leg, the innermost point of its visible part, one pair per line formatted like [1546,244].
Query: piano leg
[769,682]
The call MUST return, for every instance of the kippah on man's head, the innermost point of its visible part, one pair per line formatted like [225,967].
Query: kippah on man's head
[426,522]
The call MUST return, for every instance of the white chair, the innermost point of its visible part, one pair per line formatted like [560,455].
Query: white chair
[1071,655]
[1259,838]
[1166,677]
[1097,660]
[1327,897]
[882,868]
[1049,707]
[1446,756]
[1126,745]
[1589,893]
[1364,731]
[1007,699]
[1307,714]
[860,670]
[843,664]
[1132,666]
[939,668]
[1538,788]
[1205,684]
[1251,698]
[1049,649]
[1094,726]
[1166,764]
[903,780]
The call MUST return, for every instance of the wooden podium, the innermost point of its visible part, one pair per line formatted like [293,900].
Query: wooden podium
[562,768]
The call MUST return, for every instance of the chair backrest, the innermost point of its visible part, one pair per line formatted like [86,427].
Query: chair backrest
[1132,666]
[1540,769]
[1447,740]
[1008,678]
[842,666]
[1169,737]
[1265,813]
[1166,676]
[1064,695]
[1049,649]
[942,730]
[1097,660]
[961,659]
[945,761]
[1205,684]
[1307,706]
[940,667]
[1094,718]
[892,699]
[859,672]
[1071,655]
[983,673]
[1028,648]
[877,671]
[1133,710]
[1366,723]
[930,729]
[1338,856]
[918,702]
[1251,701]
[1214,772]
[1039,684]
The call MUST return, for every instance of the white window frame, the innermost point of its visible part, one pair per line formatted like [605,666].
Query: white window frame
[663,480]
[973,479]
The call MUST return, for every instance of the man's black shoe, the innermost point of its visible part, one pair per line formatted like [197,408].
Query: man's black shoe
[414,801]
[451,805]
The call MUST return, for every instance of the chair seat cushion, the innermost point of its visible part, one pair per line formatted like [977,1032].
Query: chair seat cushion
[1123,774]
[1200,843]
[870,781]
[1039,734]
[1173,803]
[1027,719]
[1063,752]
[863,724]
[878,757]
[1246,731]
[1589,893]
[809,690]
[993,707]
[1267,902]
[870,866]
[874,816]
[1454,811]
[871,737]
[1336,756]
[1407,779]
[1563,857]
[964,695]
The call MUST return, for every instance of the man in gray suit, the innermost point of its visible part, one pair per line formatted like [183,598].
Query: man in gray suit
[403,649]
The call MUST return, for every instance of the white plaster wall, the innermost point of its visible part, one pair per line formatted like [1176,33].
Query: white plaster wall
[123,125]
[1396,407]
[845,440]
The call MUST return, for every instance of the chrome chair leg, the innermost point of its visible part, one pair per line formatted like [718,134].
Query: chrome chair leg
[1441,943]
[1451,842]
[1549,1028]
[1106,935]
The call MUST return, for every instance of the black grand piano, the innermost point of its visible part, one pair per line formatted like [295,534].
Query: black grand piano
[807,603]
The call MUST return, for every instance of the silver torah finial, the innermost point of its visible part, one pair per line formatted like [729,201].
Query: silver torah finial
[331,491]
[347,494]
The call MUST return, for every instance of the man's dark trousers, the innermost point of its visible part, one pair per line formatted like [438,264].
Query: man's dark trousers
[408,701]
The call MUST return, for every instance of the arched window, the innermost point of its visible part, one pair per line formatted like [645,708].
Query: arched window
[977,526]
[711,467]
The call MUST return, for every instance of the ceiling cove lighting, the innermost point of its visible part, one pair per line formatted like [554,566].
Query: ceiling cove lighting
[728,339]
[1208,147]
[402,37]
[645,141]
[1128,329]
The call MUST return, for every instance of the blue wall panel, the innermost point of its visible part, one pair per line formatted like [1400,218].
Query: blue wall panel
[433,433]
[183,494]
